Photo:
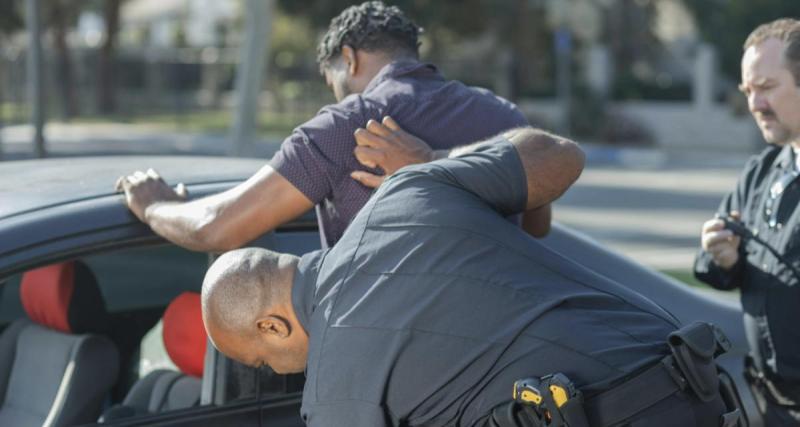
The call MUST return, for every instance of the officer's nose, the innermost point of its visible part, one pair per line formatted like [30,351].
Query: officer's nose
[757,103]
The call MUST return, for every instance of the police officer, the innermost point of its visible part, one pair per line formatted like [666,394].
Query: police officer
[432,305]
[765,201]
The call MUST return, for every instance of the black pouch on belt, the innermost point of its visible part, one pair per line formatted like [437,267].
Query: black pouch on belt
[694,348]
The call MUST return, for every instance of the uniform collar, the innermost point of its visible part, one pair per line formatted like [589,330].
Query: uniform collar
[304,286]
[400,68]
[786,157]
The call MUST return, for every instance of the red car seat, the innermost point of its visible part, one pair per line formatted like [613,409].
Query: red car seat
[54,368]
[163,389]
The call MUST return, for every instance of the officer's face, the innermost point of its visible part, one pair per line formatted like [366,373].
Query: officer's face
[773,96]
[283,355]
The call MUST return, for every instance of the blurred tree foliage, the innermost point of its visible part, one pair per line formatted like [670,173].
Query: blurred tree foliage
[727,23]
[10,16]
[518,24]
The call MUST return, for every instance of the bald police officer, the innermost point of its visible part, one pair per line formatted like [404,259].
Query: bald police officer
[432,305]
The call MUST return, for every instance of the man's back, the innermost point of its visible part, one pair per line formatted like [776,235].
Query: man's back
[432,305]
[318,157]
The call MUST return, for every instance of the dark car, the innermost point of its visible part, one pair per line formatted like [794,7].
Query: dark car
[63,215]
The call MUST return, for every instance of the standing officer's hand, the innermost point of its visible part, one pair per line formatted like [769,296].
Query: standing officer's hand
[387,146]
[143,189]
[722,244]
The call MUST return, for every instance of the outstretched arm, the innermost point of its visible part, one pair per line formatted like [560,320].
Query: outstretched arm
[551,164]
[389,147]
[216,223]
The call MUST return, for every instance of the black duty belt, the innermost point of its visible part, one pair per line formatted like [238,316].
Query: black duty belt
[633,396]
[690,368]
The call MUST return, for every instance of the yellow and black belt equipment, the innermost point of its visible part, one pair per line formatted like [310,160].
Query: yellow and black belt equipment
[554,401]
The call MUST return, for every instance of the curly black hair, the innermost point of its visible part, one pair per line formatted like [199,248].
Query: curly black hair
[370,26]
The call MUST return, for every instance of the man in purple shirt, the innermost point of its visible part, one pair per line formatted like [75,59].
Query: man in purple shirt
[369,57]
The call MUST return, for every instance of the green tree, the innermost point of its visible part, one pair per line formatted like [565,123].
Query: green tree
[727,23]
[517,24]
[61,15]
[10,17]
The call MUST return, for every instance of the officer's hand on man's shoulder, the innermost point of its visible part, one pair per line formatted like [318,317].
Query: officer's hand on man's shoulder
[720,243]
[388,147]
[144,189]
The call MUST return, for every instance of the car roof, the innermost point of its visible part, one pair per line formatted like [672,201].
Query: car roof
[28,185]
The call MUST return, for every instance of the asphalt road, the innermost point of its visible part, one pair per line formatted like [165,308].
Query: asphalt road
[651,215]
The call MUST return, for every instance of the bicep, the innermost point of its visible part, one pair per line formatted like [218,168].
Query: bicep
[258,205]
[318,153]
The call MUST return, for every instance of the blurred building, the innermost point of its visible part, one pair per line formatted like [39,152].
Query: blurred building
[625,72]
[184,23]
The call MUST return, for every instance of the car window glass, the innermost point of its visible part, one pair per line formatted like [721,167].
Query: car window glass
[10,304]
[147,277]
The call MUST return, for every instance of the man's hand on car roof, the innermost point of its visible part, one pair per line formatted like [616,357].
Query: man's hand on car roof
[143,189]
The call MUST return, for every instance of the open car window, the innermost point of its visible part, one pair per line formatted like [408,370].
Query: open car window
[10,304]
[137,285]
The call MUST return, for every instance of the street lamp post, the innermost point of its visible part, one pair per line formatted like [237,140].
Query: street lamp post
[250,74]
[35,78]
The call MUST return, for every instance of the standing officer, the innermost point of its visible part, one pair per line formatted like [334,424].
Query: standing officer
[766,202]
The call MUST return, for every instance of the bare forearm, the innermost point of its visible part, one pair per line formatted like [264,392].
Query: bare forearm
[551,164]
[537,222]
[186,224]
[230,219]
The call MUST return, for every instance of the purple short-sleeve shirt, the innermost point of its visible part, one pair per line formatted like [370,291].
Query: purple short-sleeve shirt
[317,157]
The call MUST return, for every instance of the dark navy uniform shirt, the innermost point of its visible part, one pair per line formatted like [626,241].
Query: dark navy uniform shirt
[770,293]
[317,157]
[432,304]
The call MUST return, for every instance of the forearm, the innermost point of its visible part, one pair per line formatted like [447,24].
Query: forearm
[551,164]
[537,222]
[230,219]
[187,224]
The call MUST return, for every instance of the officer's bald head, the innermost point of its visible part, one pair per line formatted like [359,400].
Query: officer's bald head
[242,284]
[248,313]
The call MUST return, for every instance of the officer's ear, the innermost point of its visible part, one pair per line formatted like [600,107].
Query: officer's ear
[350,59]
[273,326]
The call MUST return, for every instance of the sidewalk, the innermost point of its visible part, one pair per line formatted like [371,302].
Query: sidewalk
[119,139]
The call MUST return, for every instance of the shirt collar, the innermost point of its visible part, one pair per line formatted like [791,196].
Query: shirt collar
[786,157]
[304,286]
[399,68]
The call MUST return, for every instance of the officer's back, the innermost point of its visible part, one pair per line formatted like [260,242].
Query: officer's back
[456,303]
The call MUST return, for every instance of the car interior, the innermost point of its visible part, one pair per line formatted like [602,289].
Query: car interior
[114,336]
[57,364]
